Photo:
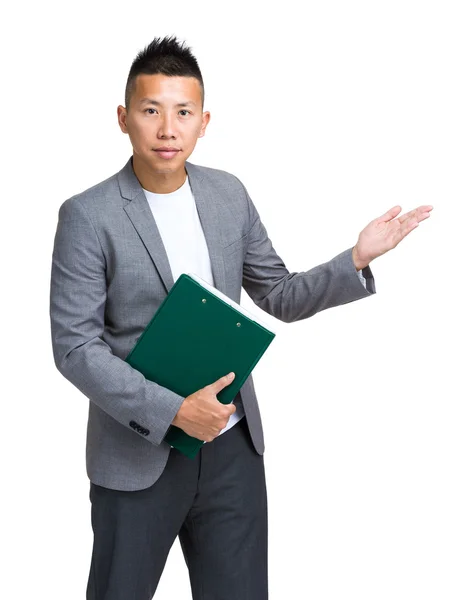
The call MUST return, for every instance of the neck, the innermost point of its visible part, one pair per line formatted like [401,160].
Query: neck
[156,181]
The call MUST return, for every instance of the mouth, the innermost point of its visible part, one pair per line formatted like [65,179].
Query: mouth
[166,152]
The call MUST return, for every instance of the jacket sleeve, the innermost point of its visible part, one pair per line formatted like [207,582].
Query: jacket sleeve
[78,296]
[298,295]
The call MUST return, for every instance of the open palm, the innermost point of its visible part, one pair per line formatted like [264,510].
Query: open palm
[386,232]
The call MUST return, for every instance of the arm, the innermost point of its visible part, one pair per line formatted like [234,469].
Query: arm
[78,297]
[295,296]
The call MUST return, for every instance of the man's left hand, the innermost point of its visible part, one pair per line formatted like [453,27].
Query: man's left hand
[386,232]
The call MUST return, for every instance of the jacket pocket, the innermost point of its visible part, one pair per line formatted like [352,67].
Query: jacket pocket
[235,245]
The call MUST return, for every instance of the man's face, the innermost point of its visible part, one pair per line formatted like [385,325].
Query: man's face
[164,121]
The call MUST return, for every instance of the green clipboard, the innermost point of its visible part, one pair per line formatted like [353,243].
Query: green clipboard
[196,336]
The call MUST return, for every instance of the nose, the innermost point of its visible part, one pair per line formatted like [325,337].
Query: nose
[167,127]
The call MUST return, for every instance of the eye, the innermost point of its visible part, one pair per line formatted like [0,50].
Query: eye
[184,111]
[147,109]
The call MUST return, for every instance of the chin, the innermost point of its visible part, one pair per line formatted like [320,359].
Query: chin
[166,167]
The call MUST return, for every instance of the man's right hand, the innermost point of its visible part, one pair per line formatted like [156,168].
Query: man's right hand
[202,415]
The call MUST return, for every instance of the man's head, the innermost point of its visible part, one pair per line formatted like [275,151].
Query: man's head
[163,109]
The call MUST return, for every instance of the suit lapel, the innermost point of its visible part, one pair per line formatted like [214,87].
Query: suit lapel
[140,214]
[208,211]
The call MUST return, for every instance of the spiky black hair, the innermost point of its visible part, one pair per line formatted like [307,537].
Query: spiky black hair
[167,56]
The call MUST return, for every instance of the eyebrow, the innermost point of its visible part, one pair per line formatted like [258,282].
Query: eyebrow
[156,103]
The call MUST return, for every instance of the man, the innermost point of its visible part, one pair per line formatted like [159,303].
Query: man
[119,247]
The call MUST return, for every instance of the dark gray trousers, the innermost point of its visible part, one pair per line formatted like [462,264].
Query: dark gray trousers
[216,503]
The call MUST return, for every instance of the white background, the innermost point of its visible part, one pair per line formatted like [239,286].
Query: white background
[330,113]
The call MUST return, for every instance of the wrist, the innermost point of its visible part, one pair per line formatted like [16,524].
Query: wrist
[358,261]
[178,415]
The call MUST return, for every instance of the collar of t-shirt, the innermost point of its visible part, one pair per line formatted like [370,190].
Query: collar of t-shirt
[179,225]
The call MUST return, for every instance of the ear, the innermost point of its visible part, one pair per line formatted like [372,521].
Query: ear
[205,121]
[122,114]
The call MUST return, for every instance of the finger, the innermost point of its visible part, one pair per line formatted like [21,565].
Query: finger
[406,228]
[414,220]
[421,213]
[422,216]
[390,214]
[410,214]
[221,383]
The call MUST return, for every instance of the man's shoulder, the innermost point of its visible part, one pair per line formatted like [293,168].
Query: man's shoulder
[214,176]
[105,192]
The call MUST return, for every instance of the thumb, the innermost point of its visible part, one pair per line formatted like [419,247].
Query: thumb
[390,214]
[221,383]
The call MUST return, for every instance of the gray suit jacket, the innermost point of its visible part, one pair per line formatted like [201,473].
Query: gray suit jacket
[110,273]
